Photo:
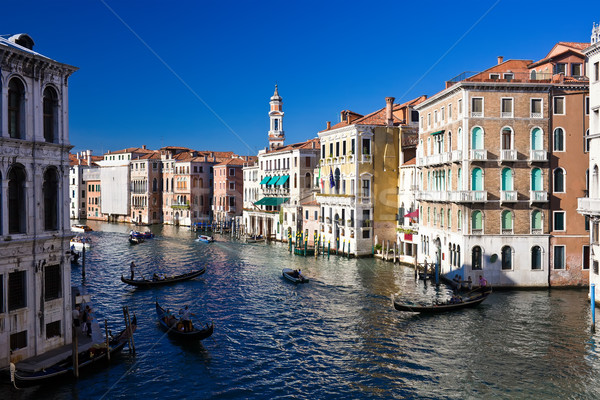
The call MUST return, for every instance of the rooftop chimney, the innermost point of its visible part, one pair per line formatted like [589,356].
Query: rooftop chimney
[389,105]
[500,60]
[88,154]
[144,146]
[328,125]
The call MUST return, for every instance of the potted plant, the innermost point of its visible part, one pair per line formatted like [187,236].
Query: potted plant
[378,248]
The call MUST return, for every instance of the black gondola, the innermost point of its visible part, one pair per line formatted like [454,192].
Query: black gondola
[173,326]
[94,356]
[441,308]
[136,239]
[167,280]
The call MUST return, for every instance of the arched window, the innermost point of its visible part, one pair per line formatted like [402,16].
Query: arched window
[449,219]
[442,215]
[172,185]
[477,222]
[16,199]
[477,179]
[16,109]
[155,185]
[434,216]
[459,179]
[476,258]
[507,222]
[532,74]
[307,180]
[507,179]
[459,139]
[507,138]
[559,180]
[458,264]
[50,191]
[459,220]
[337,180]
[506,257]
[536,179]
[50,105]
[537,139]
[449,141]
[477,138]
[559,139]
[536,257]
[536,222]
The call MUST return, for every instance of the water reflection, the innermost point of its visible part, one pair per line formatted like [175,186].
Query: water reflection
[336,337]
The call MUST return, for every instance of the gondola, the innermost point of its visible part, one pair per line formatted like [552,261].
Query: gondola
[95,356]
[158,282]
[292,275]
[136,240]
[441,308]
[143,235]
[171,325]
[205,239]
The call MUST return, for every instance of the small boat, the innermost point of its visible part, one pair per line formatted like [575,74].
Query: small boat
[79,242]
[206,238]
[174,326]
[293,275]
[74,256]
[136,240]
[255,239]
[94,356]
[441,308]
[81,228]
[167,279]
[143,235]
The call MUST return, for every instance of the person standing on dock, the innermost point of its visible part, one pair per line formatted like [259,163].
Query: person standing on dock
[132,268]
[76,316]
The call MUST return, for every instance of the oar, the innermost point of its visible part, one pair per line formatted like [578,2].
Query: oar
[143,277]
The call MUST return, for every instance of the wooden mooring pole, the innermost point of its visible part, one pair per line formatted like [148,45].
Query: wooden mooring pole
[593,305]
[107,341]
[75,352]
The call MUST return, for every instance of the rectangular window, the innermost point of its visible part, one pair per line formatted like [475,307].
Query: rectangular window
[330,150]
[52,282]
[17,295]
[306,215]
[231,201]
[1,294]
[323,152]
[536,108]
[53,329]
[343,153]
[559,220]
[366,146]
[494,76]
[576,70]
[18,340]
[460,110]
[587,105]
[477,107]
[428,119]
[414,116]
[443,114]
[231,171]
[509,77]
[316,215]
[352,148]
[449,111]
[585,258]
[559,106]
[597,71]
[507,108]
[560,68]
[422,122]
[337,149]
[366,192]
[231,185]
[559,257]
[435,117]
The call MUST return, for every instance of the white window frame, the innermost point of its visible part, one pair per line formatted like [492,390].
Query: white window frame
[450,112]
[494,75]
[443,114]
[554,214]
[564,111]
[564,256]
[428,120]
[531,114]
[580,69]
[460,107]
[508,76]
[473,115]
[504,114]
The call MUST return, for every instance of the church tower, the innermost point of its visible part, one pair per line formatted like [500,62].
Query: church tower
[276,134]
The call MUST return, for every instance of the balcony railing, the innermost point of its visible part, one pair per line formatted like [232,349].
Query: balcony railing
[536,115]
[538,155]
[508,155]
[588,205]
[468,196]
[507,231]
[456,155]
[505,114]
[366,158]
[536,231]
[426,195]
[508,196]
[538,196]
[478,155]
[477,114]
[476,231]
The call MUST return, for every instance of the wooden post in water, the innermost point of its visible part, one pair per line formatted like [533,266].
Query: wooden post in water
[328,248]
[593,304]
[83,262]
[75,353]
[107,341]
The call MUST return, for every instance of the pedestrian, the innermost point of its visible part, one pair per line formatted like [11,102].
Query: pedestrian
[482,281]
[132,268]
[87,319]
[76,316]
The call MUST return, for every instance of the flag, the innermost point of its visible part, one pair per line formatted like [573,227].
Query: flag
[331,180]
[320,180]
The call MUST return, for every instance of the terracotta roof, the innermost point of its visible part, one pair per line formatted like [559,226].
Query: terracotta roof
[310,203]
[301,145]
[412,161]
[232,161]
[576,45]
[155,155]
[131,150]
[83,160]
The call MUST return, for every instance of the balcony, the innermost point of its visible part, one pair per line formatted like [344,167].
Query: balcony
[477,114]
[586,205]
[366,158]
[478,155]
[507,231]
[425,195]
[538,196]
[508,155]
[505,114]
[538,155]
[468,196]
[456,155]
[508,196]
[537,115]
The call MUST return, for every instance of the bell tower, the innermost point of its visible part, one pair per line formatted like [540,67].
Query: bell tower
[276,134]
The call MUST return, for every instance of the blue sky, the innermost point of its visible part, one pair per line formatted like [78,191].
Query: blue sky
[200,74]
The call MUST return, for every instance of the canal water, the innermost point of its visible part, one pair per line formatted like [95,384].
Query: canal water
[335,337]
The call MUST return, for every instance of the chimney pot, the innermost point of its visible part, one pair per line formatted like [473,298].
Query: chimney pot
[144,146]
[500,60]
[389,105]
[328,125]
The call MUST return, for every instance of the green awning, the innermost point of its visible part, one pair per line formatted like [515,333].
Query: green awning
[283,180]
[273,180]
[265,180]
[271,201]
[437,132]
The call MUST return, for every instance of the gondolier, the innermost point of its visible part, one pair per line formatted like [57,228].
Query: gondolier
[132,268]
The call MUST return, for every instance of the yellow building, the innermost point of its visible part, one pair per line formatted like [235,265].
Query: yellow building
[359,177]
